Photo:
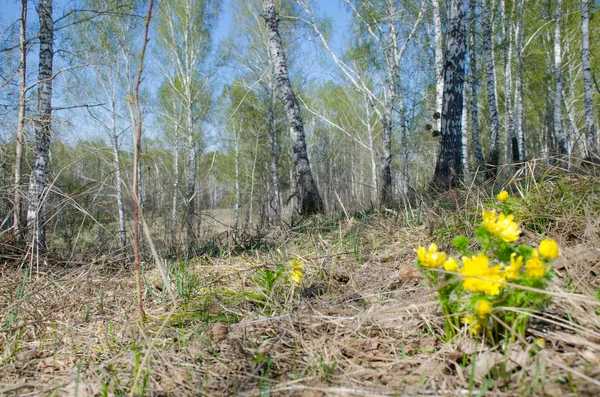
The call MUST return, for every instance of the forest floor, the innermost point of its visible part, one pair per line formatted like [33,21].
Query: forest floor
[362,322]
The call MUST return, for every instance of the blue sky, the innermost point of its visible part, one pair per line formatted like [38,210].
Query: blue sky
[10,11]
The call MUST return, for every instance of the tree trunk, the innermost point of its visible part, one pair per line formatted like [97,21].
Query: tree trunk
[561,137]
[274,158]
[448,170]
[405,152]
[465,134]
[43,127]
[439,61]
[590,129]
[386,159]
[474,103]
[550,143]
[373,156]
[20,139]
[512,146]
[119,184]
[490,73]
[310,200]
[190,196]
[519,109]
[174,222]
[236,207]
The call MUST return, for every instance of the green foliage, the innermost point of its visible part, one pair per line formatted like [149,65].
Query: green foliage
[266,278]
[186,283]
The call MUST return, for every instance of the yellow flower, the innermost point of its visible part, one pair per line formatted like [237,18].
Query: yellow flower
[295,271]
[541,342]
[431,257]
[475,325]
[450,265]
[483,308]
[513,272]
[535,266]
[549,249]
[502,196]
[489,279]
[501,226]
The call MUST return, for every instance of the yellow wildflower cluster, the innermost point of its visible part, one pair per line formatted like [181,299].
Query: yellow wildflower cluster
[489,273]
[549,249]
[502,196]
[513,271]
[479,277]
[502,226]
[295,271]
[432,257]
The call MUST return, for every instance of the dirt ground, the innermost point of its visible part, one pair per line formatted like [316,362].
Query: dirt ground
[363,322]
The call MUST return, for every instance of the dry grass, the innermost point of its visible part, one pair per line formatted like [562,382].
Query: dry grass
[362,322]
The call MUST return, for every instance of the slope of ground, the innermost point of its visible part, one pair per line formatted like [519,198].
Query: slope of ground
[362,321]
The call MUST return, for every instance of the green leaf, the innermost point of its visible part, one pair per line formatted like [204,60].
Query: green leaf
[461,243]
[503,251]
[525,251]
[482,235]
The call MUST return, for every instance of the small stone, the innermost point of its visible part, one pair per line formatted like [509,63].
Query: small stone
[219,332]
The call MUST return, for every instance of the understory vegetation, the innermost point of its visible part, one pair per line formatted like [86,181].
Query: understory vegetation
[334,305]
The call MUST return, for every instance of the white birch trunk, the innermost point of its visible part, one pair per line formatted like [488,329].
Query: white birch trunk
[43,127]
[512,149]
[590,129]
[118,182]
[439,61]
[474,103]
[519,109]
[373,155]
[559,131]
[175,184]
[310,200]
[465,134]
[20,138]
[236,207]
[274,156]
[492,96]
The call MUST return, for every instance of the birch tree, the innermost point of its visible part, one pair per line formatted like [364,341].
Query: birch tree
[512,145]
[184,36]
[439,62]
[390,30]
[519,103]
[474,82]
[43,127]
[492,96]
[20,138]
[449,170]
[562,144]
[310,200]
[590,129]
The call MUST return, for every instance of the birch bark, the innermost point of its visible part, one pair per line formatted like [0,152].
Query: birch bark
[590,129]
[20,138]
[559,131]
[474,80]
[43,127]
[519,110]
[439,61]
[310,200]
[492,96]
[512,146]
[448,170]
